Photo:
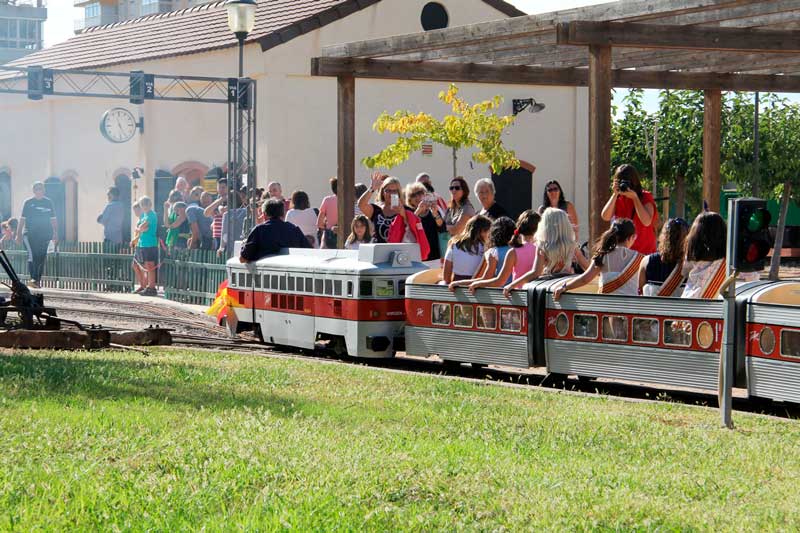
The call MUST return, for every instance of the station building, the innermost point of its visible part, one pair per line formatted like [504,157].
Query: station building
[58,139]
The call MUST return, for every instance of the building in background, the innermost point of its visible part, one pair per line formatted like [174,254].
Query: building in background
[297,113]
[20,28]
[102,12]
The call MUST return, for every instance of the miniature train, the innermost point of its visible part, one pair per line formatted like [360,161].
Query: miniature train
[381,299]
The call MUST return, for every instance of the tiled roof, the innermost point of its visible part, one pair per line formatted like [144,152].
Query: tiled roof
[197,29]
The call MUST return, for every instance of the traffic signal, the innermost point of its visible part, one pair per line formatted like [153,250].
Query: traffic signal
[750,231]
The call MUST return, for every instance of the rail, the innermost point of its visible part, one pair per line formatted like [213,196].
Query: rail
[188,276]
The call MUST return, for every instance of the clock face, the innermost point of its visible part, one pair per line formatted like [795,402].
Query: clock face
[118,125]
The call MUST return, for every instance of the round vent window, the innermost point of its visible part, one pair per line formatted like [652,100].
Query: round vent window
[766,340]
[562,324]
[434,16]
[705,335]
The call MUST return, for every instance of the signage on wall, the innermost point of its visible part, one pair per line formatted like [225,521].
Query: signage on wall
[427,149]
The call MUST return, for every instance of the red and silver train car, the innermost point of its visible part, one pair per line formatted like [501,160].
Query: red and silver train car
[352,298]
[771,340]
[485,328]
[665,341]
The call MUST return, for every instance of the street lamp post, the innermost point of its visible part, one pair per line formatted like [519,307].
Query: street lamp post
[241,20]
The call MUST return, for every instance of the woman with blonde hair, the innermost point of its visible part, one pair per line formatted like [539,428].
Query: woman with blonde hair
[389,205]
[556,249]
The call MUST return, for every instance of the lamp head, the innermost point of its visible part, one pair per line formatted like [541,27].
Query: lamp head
[537,106]
[241,16]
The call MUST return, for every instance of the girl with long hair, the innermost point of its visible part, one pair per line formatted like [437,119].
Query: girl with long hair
[613,260]
[661,273]
[465,252]
[556,249]
[520,256]
[359,233]
[629,200]
[553,196]
[705,256]
[500,235]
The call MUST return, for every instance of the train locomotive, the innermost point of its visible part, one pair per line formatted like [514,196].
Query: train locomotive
[381,299]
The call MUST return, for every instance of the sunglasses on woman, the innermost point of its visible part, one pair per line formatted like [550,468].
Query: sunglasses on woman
[553,189]
[455,188]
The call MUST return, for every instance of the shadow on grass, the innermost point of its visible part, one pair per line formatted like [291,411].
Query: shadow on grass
[29,377]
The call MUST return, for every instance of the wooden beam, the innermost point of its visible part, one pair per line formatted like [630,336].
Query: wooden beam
[523,75]
[484,32]
[346,155]
[599,136]
[637,35]
[712,125]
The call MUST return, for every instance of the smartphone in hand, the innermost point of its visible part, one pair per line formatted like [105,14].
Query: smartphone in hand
[395,200]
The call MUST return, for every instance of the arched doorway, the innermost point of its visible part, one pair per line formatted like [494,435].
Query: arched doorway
[5,194]
[193,171]
[122,181]
[514,188]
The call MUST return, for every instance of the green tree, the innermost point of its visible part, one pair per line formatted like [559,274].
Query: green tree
[469,126]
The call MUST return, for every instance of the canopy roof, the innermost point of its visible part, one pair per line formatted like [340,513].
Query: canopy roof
[656,43]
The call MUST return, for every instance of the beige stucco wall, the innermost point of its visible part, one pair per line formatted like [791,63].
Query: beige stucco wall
[296,121]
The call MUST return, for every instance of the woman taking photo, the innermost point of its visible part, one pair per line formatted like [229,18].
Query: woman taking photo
[628,200]
[386,209]
[554,197]
[426,208]
[460,209]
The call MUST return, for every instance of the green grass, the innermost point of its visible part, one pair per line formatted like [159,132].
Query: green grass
[179,441]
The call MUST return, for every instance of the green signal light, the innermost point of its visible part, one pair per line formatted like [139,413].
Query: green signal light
[758,220]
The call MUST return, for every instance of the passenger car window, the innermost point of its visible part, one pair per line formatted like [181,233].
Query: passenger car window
[645,330]
[318,286]
[266,282]
[678,332]
[790,343]
[440,314]
[329,287]
[510,319]
[309,285]
[257,280]
[337,287]
[584,326]
[291,283]
[241,280]
[401,287]
[283,283]
[615,328]
[349,288]
[462,316]
[487,317]
[274,282]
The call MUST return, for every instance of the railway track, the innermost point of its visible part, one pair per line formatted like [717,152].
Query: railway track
[215,338]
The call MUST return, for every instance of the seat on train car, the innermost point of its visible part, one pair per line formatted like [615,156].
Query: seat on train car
[427,277]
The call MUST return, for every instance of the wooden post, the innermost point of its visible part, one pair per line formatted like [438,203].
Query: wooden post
[599,136]
[712,122]
[346,154]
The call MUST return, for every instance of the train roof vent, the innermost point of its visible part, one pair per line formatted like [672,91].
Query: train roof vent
[399,255]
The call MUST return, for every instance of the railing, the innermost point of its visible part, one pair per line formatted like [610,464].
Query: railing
[189,276]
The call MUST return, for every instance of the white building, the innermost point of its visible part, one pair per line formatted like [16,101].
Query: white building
[59,138]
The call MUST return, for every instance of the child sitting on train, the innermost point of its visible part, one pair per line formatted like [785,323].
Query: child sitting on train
[556,249]
[500,234]
[519,259]
[661,273]
[705,256]
[359,233]
[614,261]
[465,252]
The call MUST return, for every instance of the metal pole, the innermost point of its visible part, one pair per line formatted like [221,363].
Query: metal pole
[726,356]
[756,151]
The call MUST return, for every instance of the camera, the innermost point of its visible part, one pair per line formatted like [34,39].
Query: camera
[624,185]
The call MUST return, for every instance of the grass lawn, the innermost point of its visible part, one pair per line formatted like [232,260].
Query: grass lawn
[182,440]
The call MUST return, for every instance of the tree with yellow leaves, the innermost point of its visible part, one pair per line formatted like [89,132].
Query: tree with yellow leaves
[470,126]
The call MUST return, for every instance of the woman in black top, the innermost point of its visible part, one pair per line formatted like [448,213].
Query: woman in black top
[657,267]
[389,205]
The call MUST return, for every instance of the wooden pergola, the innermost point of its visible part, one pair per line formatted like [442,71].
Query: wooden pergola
[710,45]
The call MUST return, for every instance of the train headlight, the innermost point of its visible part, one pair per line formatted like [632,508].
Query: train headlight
[562,324]
[766,341]
[705,335]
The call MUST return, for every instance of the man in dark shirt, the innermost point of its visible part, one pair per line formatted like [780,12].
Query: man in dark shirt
[37,227]
[268,238]
[484,190]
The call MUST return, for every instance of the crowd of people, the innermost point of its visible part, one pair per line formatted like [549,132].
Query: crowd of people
[476,246]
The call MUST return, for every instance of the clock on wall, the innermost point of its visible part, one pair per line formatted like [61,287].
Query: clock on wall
[118,125]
